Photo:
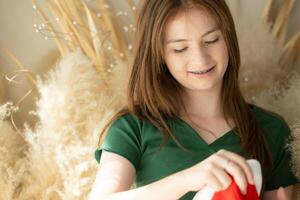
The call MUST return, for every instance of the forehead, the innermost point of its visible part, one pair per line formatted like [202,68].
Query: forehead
[187,22]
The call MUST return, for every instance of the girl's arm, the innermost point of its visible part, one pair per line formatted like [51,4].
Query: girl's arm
[116,175]
[280,194]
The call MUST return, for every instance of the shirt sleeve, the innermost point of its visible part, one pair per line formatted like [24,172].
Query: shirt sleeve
[123,138]
[282,174]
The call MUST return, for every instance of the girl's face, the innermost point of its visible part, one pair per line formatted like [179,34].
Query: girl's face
[195,50]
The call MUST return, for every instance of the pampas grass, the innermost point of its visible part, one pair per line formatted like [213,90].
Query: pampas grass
[75,100]
[95,31]
[259,56]
[72,108]
[295,147]
[6,110]
[283,98]
[267,55]
[11,156]
[58,161]
[1,90]
[291,46]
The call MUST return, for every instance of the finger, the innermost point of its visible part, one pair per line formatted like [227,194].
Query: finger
[213,182]
[239,160]
[233,169]
[222,176]
[238,175]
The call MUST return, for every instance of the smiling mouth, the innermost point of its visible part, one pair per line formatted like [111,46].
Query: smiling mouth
[202,71]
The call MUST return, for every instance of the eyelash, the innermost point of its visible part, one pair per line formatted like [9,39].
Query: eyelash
[207,42]
[180,50]
[213,41]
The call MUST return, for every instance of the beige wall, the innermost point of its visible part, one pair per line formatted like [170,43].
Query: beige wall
[19,36]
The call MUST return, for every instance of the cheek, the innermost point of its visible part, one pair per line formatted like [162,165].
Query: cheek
[173,63]
[221,54]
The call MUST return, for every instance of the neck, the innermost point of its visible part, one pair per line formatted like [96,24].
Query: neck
[203,104]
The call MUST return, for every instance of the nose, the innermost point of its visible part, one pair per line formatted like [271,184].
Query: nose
[200,58]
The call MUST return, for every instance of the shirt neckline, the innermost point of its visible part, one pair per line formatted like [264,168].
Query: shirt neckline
[219,139]
[225,135]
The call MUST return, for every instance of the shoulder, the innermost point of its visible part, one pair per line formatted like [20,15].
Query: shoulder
[127,121]
[266,117]
[269,120]
[275,129]
[123,137]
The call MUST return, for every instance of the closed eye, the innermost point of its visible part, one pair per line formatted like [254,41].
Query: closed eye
[212,41]
[180,50]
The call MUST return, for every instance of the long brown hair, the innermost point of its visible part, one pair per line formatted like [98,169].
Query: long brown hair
[151,80]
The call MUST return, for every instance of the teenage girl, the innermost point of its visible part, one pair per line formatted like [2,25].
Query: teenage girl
[186,124]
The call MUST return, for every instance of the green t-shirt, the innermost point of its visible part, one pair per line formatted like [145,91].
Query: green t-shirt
[138,142]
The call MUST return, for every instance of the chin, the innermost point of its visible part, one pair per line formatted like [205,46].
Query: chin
[199,88]
[204,87]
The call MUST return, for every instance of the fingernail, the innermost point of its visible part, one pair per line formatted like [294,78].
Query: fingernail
[244,192]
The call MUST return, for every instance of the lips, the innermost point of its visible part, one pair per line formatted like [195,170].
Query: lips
[201,71]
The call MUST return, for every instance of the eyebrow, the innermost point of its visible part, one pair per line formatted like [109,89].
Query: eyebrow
[182,40]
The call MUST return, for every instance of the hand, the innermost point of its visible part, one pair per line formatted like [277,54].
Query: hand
[215,172]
